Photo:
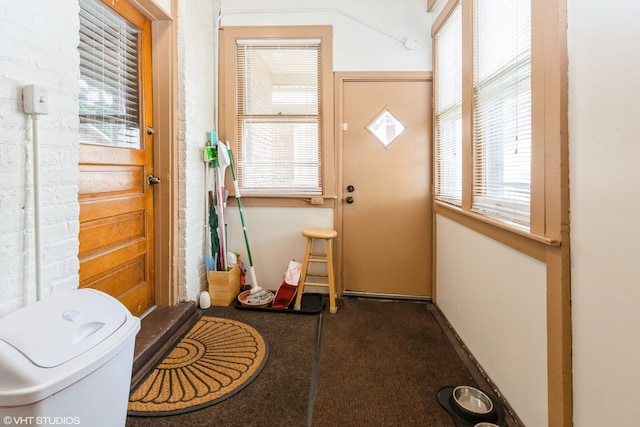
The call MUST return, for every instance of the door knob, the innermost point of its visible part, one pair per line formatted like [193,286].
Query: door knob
[153,180]
[349,199]
[350,188]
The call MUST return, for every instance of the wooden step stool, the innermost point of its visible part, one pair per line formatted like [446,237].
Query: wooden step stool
[326,258]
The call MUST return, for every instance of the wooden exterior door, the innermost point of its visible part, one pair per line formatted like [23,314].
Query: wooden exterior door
[386,190]
[116,201]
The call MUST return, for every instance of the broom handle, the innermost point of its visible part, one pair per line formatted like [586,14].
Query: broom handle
[244,227]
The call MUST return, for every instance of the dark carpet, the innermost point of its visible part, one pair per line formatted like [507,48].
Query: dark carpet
[379,363]
[382,364]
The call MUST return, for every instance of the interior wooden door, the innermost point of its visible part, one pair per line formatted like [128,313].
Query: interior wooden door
[386,189]
[116,200]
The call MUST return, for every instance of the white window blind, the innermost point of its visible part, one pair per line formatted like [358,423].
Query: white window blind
[109,88]
[448,106]
[279,120]
[502,110]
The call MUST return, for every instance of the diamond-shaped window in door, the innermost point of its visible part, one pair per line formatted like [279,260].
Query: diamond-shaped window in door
[385,127]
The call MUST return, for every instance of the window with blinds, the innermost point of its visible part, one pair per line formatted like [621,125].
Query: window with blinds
[448,107]
[278,118]
[109,83]
[502,110]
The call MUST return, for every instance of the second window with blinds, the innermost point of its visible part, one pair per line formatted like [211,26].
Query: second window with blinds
[448,109]
[483,148]
[278,123]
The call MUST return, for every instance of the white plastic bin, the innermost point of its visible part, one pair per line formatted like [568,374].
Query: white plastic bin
[67,360]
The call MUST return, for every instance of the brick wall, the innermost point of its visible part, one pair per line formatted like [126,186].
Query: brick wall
[38,45]
[196,118]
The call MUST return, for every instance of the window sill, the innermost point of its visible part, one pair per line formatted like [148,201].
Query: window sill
[285,201]
[521,240]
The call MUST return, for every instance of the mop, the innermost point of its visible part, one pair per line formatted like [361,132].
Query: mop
[257,294]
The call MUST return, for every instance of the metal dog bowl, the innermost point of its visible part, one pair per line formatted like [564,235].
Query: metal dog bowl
[486,424]
[472,404]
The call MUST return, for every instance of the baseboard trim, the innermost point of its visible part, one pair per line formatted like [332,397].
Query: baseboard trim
[384,296]
[477,372]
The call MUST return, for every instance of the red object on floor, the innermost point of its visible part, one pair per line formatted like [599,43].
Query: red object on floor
[284,295]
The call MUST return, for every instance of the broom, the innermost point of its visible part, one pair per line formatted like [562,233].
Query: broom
[257,294]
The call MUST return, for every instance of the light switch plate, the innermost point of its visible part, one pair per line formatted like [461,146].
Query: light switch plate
[35,99]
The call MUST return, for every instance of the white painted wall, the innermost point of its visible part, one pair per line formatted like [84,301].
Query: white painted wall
[274,238]
[357,46]
[38,45]
[604,130]
[196,20]
[495,298]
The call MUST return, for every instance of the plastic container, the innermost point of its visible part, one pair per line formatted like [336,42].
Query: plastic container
[67,360]
[205,300]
